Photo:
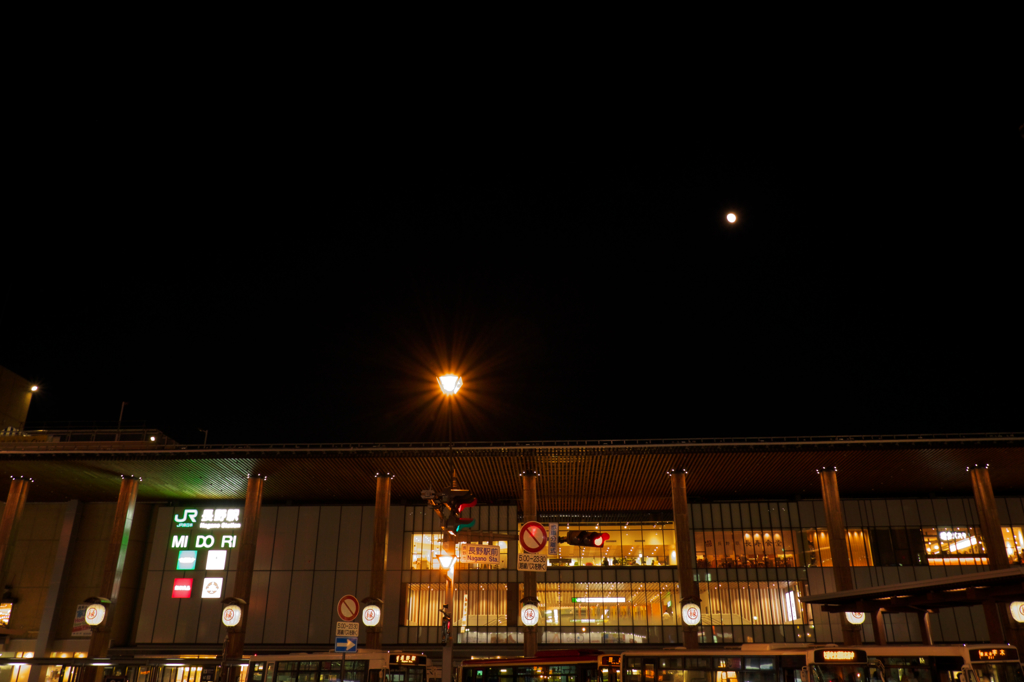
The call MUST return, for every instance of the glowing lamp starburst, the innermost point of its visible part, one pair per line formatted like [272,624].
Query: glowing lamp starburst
[449,383]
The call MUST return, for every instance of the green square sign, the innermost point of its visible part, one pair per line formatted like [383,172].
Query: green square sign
[187,560]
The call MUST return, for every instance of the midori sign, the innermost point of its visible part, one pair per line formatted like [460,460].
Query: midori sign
[211,525]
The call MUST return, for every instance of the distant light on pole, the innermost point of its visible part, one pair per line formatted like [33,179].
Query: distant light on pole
[450,383]
[731,217]
[35,388]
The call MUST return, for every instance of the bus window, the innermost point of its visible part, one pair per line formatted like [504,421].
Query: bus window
[561,673]
[998,672]
[631,667]
[907,669]
[287,671]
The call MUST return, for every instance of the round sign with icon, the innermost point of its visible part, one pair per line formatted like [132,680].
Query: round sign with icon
[855,617]
[1017,611]
[371,615]
[231,615]
[95,614]
[691,614]
[530,614]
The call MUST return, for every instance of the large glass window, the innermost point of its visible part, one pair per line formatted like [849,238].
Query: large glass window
[745,549]
[628,544]
[476,606]
[954,546]
[766,602]
[818,550]
[1013,538]
[424,548]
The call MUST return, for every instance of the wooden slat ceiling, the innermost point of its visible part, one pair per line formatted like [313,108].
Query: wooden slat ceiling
[573,478]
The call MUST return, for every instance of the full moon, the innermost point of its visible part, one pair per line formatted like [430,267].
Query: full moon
[731,217]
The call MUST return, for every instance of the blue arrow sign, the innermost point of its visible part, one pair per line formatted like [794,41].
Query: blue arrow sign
[346,645]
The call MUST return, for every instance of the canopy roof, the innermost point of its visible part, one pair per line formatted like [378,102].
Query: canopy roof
[961,590]
[574,475]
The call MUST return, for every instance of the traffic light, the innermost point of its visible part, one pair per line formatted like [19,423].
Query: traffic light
[460,503]
[582,538]
[449,508]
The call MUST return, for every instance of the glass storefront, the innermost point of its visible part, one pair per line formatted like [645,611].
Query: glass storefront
[609,611]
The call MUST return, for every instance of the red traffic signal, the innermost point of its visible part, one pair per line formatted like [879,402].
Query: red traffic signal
[582,538]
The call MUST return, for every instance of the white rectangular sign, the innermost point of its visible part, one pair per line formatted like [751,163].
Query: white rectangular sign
[553,540]
[489,555]
[346,629]
[532,562]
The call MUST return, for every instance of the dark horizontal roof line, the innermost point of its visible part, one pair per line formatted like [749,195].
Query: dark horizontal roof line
[466,448]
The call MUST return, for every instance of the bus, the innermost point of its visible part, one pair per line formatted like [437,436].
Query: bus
[369,666]
[581,665]
[817,663]
[913,663]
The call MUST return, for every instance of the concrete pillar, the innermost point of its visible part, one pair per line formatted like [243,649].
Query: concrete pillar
[688,588]
[381,515]
[529,578]
[837,541]
[235,641]
[877,625]
[13,510]
[113,563]
[926,627]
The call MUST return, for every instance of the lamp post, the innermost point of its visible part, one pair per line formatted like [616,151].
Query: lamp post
[450,385]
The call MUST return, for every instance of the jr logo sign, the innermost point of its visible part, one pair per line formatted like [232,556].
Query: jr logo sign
[187,518]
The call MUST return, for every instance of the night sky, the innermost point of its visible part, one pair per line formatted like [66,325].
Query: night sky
[302,279]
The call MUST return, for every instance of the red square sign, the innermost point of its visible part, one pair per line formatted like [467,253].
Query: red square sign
[182,588]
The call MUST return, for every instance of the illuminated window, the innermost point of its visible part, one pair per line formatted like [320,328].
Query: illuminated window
[954,546]
[476,605]
[1013,539]
[819,547]
[745,549]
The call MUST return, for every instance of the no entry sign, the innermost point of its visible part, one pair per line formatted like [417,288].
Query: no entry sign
[348,608]
[533,537]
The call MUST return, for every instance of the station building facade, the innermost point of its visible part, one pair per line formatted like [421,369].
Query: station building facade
[756,548]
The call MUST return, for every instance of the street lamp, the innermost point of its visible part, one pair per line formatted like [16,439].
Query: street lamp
[450,385]
[446,560]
